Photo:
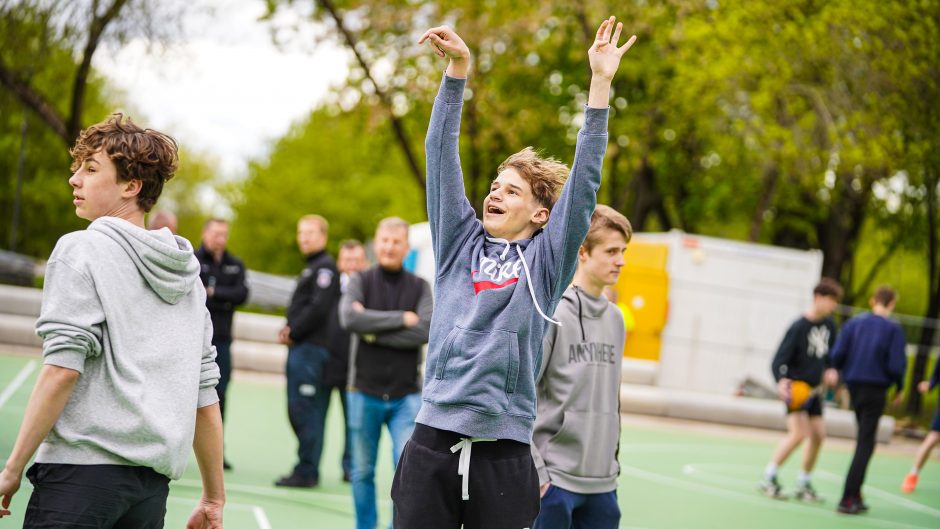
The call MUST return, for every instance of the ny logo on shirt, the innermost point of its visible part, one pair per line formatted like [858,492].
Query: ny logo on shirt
[818,342]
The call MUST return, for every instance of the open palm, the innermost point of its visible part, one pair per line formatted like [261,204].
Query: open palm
[604,54]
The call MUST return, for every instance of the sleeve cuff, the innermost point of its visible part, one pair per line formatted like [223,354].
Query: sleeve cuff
[595,120]
[207,397]
[451,90]
[68,358]
[543,475]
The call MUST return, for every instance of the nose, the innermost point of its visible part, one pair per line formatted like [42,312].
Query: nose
[74,180]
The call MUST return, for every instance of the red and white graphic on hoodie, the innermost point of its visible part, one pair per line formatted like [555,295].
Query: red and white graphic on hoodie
[493,274]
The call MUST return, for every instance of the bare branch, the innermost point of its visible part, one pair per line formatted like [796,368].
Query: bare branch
[96,30]
[35,102]
[396,122]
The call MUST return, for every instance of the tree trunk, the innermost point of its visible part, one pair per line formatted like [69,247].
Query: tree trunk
[919,371]
[838,232]
[768,188]
[646,198]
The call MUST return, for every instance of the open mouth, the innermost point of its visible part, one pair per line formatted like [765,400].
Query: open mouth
[494,210]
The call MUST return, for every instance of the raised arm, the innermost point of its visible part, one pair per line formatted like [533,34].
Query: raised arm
[570,218]
[450,214]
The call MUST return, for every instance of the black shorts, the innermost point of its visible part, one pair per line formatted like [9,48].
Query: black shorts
[935,423]
[96,496]
[427,491]
[813,407]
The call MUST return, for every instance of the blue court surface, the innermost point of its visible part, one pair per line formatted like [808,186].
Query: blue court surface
[675,475]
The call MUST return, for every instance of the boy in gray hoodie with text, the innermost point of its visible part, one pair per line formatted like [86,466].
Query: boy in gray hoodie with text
[577,428]
[496,282]
[127,386]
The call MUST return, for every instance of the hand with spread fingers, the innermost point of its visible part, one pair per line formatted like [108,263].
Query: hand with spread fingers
[448,44]
[604,57]
[604,54]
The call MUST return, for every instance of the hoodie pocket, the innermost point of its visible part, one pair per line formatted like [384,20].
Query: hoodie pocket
[586,445]
[477,370]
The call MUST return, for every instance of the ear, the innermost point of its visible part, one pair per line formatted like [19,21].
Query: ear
[132,188]
[540,217]
[582,254]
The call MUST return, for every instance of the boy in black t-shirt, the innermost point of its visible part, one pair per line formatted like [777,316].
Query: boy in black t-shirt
[802,357]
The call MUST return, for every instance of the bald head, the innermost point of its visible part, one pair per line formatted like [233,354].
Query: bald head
[161,218]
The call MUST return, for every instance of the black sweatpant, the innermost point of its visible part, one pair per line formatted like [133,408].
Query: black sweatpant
[95,496]
[426,491]
[869,403]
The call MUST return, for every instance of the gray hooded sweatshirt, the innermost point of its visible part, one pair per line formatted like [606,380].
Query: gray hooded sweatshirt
[124,307]
[492,296]
[577,430]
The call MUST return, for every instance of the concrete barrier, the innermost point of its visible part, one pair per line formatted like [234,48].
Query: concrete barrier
[22,301]
[255,348]
[738,411]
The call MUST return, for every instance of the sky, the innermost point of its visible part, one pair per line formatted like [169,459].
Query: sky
[224,88]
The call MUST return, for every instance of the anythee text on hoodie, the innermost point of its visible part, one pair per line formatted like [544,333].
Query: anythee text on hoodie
[577,429]
[124,307]
[492,296]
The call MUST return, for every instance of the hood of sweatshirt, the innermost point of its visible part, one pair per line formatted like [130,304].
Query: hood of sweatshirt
[584,305]
[165,261]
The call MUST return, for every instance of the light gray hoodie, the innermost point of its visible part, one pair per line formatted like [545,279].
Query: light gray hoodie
[577,427]
[124,307]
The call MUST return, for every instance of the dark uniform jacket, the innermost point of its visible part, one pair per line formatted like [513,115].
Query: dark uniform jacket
[227,277]
[314,301]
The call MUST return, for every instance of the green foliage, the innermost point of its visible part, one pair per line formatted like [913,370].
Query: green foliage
[46,210]
[341,165]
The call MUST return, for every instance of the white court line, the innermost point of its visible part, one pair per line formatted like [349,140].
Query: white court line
[270,492]
[751,498]
[873,491]
[261,518]
[17,382]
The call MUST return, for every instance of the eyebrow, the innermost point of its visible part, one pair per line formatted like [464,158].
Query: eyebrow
[514,186]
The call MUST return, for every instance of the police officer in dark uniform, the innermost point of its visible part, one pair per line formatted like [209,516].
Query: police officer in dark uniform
[223,275]
[307,337]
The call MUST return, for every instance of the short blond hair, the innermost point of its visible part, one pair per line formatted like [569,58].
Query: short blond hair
[545,175]
[393,223]
[606,218]
[318,220]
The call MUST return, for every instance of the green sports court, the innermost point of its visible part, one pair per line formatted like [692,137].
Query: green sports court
[675,475]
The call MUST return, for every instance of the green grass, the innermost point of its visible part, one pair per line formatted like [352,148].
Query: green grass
[673,476]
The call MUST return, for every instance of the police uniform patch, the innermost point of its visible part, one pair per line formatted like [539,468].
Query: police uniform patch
[324,277]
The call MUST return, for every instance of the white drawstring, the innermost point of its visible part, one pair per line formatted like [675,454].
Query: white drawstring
[528,277]
[528,281]
[502,256]
[463,464]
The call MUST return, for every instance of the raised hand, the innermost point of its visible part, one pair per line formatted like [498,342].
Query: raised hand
[604,54]
[448,44]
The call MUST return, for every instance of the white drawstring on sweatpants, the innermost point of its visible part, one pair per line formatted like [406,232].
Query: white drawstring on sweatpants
[463,464]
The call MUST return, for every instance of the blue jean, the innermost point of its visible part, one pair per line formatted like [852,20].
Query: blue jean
[305,407]
[367,414]
[223,359]
[562,509]
[347,446]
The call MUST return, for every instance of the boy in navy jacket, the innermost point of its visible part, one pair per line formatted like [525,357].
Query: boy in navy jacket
[869,354]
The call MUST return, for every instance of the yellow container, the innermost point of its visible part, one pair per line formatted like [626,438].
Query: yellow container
[643,295]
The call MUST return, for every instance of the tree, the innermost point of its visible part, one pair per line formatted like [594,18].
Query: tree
[342,165]
[31,28]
